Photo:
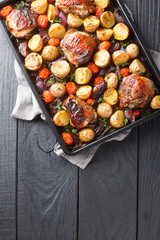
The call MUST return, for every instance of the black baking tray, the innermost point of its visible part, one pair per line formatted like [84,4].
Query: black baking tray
[149,62]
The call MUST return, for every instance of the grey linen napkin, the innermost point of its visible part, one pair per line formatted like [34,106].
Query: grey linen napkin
[27,108]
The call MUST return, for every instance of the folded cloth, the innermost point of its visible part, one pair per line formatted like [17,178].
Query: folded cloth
[27,108]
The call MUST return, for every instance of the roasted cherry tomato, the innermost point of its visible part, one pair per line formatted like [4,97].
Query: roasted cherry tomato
[93,67]
[6,11]
[105,45]
[124,72]
[71,88]
[51,1]
[98,80]
[98,11]
[42,21]
[54,42]
[48,97]
[90,101]
[136,113]
[43,73]
[67,138]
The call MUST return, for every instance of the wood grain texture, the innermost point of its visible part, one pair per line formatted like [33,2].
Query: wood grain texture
[47,187]
[8,131]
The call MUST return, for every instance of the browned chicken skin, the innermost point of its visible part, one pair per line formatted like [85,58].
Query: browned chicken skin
[21,22]
[136,91]
[81,8]
[81,114]
[78,47]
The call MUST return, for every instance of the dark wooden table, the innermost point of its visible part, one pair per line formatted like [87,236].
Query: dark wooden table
[43,197]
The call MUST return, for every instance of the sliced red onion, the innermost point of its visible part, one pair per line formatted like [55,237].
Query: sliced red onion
[40,85]
[63,19]
[118,17]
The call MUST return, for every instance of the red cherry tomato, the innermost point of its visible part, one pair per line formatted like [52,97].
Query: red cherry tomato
[42,21]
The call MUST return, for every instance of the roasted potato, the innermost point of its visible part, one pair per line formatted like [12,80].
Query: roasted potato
[120,57]
[50,53]
[91,23]
[102,58]
[83,75]
[104,34]
[74,21]
[121,32]
[86,135]
[33,61]
[35,43]
[84,92]
[56,30]
[117,119]
[136,66]
[111,96]
[102,3]
[104,110]
[132,50]
[155,103]
[60,68]
[58,90]
[112,80]
[39,6]
[61,118]
[52,12]
[107,19]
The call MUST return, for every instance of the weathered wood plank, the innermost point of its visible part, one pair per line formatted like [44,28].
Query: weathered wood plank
[8,131]
[47,189]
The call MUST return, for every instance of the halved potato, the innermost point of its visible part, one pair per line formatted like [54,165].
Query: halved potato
[155,103]
[107,19]
[120,57]
[112,80]
[33,61]
[86,135]
[104,34]
[102,3]
[58,90]
[83,75]
[121,32]
[102,58]
[111,96]
[132,50]
[56,30]
[39,6]
[50,53]
[104,110]
[137,66]
[60,68]
[35,43]
[61,118]
[74,21]
[117,119]
[91,23]
[84,92]
[52,12]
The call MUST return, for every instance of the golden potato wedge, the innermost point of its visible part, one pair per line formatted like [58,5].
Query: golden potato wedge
[104,110]
[35,43]
[83,75]
[61,118]
[120,32]
[84,92]
[91,23]
[155,103]
[33,61]
[58,90]
[60,68]
[136,66]
[112,80]
[117,119]
[132,50]
[74,21]
[120,57]
[39,6]
[102,58]
[102,3]
[52,12]
[56,30]
[50,53]
[111,96]
[107,19]
[86,135]
[104,34]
